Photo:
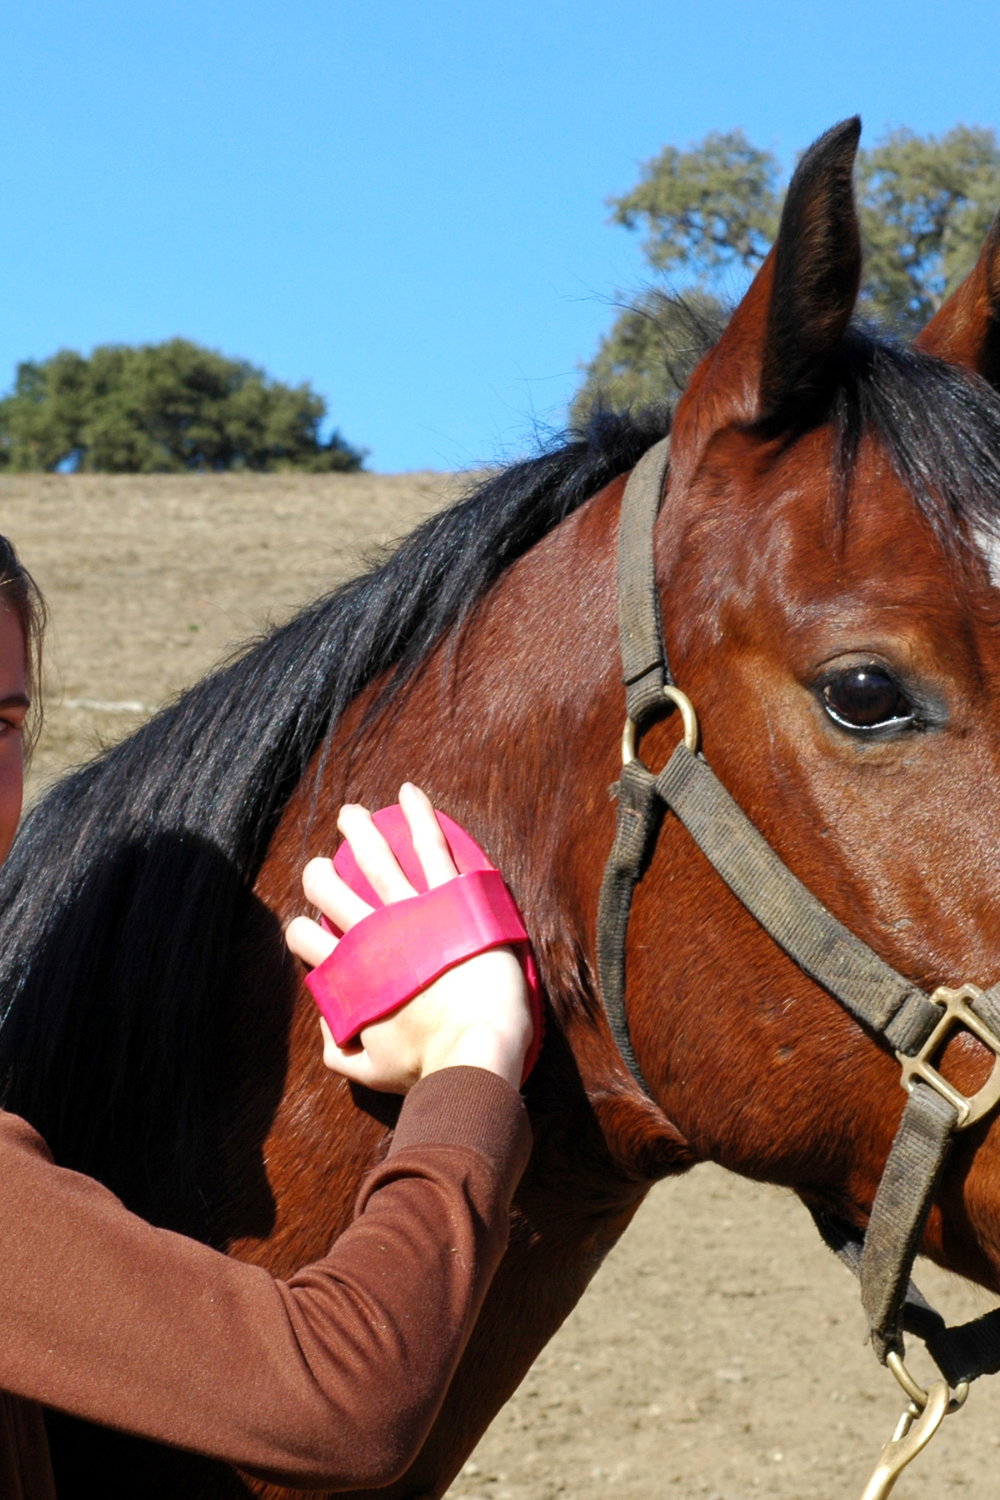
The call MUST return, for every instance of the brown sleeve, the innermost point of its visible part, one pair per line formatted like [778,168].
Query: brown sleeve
[330,1380]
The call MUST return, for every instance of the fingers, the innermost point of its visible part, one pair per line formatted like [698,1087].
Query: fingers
[429,843]
[353,1062]
[357,1067]
[309,941]
[342,906]
[376,860]
[334,897]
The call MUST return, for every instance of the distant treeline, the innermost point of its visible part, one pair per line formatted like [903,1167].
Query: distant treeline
[165,408]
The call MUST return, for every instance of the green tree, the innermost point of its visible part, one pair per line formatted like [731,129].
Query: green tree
[710,215]
[926,205]
[707,210]
[162,408]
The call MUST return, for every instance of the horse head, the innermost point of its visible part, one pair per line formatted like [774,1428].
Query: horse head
[823,556]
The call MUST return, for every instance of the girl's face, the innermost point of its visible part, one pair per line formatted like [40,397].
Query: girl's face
[13,707]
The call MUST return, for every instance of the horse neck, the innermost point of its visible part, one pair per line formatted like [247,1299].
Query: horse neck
[512,726]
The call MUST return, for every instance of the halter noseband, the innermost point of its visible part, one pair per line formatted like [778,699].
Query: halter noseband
[913,1023]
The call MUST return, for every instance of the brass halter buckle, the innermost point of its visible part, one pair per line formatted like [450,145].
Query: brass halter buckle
[956,1013]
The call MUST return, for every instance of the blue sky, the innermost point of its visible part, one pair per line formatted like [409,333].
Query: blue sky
[404,202]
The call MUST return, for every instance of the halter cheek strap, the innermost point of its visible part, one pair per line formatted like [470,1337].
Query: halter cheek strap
[912,1023]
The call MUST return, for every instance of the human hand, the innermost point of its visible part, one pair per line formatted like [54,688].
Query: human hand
[475,1014]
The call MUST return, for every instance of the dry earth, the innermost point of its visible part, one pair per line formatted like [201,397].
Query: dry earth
[719,1351]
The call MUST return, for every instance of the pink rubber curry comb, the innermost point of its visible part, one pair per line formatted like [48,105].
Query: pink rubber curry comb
[389,956]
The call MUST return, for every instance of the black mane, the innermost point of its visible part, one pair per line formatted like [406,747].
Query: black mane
[127,883]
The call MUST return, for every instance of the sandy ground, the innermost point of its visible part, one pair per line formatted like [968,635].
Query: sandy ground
[152,581]
[719,1352]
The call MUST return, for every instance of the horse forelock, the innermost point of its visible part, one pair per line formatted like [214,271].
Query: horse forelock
[938,424]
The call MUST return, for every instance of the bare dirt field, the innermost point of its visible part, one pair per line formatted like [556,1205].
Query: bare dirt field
[719,1352]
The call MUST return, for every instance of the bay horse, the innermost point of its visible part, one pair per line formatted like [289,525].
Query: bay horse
[823,557]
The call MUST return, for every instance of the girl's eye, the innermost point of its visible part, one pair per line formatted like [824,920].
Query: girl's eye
[866,698]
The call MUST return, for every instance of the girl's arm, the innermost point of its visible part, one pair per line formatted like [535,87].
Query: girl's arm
[330,1380]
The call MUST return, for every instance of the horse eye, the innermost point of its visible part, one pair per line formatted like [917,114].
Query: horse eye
[866,698]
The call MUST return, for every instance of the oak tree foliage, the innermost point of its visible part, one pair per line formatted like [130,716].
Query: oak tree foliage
[710,213]
[162,408]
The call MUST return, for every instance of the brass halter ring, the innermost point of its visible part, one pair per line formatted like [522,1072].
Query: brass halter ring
[688,715]
[916,1392]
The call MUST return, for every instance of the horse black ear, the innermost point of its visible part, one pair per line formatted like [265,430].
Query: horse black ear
[776,363]
[816,274]
[966,329]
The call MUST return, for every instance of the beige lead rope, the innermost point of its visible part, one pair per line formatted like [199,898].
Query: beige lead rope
[912,1023]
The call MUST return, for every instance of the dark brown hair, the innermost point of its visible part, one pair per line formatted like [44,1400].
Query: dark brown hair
[20,593]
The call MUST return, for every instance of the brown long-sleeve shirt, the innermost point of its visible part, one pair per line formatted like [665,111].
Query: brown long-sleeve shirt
[330,1380]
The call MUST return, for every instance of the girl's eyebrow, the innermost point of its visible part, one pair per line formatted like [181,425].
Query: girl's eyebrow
[15,700]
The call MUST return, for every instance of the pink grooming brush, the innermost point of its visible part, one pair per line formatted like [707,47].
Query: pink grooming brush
[389,956]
